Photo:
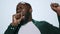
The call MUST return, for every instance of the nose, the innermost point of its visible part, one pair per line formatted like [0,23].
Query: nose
[23,13]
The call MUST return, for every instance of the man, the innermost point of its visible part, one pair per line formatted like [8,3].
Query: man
[22,22]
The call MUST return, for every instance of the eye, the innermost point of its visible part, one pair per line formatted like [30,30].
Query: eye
[20,7]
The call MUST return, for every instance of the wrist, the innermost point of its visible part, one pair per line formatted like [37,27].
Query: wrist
[14,24]
[58,14]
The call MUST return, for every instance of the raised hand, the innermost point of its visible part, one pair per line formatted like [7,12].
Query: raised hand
[55,7]
[16,19]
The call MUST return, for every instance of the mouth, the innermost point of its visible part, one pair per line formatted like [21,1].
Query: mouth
[23,16]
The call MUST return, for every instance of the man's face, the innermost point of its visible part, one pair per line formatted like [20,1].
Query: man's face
[21,9]
[24,10]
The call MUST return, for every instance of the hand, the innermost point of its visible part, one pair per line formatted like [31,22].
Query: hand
[16,19]
[55,7]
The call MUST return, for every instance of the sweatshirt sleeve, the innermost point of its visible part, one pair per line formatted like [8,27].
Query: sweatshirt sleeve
[59,20]
[10,30]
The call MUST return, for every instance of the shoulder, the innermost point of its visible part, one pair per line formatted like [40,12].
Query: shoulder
[43,24]
[40,22]
[45,27]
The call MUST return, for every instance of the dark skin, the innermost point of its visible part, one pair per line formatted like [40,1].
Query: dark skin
[56,8]
[22,10]
[20,15]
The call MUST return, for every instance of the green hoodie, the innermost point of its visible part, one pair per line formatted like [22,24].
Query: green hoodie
[43,26]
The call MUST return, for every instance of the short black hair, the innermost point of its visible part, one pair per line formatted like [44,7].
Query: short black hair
[24,3]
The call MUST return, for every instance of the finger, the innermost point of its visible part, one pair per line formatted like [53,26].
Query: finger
[21,17]
[54,4]
[13,18]
[19,20]
[18,16]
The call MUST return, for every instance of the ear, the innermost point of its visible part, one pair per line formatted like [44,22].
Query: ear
[30,10]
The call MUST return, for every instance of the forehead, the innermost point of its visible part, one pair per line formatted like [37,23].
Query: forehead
[24,5]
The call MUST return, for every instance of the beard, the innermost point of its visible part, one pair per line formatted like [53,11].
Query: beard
[26,19]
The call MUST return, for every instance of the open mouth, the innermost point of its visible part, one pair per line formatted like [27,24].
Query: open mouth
[23,15]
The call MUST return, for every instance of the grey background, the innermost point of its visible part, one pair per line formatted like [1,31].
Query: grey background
[41,11]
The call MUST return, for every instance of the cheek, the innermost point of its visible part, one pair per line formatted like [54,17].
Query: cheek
[23,13]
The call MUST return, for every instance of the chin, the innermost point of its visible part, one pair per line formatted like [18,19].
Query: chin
[24,21]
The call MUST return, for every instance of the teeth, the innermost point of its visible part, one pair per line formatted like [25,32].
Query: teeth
[23,16]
